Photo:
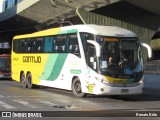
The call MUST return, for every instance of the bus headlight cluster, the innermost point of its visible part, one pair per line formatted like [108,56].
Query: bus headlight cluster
[101,80]
[141,81]
[105,82]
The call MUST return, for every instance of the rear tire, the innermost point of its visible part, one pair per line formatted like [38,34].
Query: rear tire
[77,89]
[29,80]
[23,80]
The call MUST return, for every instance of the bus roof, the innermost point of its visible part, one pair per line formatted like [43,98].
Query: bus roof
[94,29]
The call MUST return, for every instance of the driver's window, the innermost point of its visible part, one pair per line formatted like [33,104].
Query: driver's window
[91,57]
[84,38]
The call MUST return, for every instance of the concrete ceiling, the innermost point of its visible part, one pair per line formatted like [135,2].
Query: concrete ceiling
[47,12]
[129,12]
[43,13]
[149,5]
[50,11]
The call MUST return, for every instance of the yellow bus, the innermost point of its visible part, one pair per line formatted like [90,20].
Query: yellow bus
[87,59]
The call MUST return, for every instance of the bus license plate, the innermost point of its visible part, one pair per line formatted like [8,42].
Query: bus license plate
[124,90]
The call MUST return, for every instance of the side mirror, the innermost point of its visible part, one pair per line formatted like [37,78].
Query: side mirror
[97,46]
[149,49]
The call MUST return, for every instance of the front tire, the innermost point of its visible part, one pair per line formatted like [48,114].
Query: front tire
[77,89]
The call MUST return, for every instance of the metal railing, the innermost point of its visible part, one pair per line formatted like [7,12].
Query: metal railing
[153,67]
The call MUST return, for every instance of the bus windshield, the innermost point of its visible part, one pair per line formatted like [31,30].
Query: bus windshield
[119,56]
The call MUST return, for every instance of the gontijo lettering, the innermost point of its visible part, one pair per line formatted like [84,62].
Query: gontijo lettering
[32,59]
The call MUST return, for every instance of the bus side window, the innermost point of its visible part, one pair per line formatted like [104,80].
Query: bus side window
[60,44]
[84,41]
[22,46]
[84,38]
[48,44]
[16,46]
[73,46]
[30,45]
[38,48]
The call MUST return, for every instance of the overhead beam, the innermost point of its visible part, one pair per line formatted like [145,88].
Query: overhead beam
[144,34]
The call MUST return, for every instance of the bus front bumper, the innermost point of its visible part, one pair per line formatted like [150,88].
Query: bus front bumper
[110,90]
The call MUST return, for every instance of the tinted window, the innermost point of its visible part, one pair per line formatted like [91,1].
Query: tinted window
[22,46]
[15,46]
[48,44]
[60,44]
[84,38]
[30,45]
[73,44]
[38,48]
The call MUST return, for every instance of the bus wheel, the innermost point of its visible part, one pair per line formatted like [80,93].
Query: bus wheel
[29,80]
[23,80]
[76,88]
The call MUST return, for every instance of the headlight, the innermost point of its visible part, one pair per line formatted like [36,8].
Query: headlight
[101,80]
[105,82]
[141,81]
